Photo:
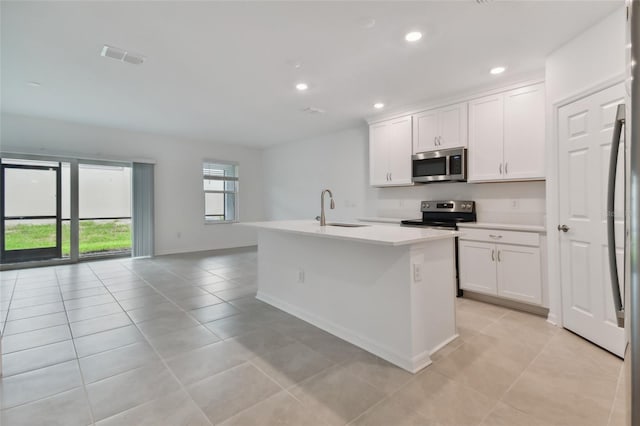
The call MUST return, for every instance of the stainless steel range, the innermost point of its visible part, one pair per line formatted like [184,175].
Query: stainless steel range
[445,214]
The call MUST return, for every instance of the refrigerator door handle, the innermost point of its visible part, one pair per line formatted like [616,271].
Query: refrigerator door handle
[611,198]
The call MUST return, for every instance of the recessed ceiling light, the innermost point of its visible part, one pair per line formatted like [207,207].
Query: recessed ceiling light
[378,105]
[33,84]
[497,70]
[413,36]
[302,86]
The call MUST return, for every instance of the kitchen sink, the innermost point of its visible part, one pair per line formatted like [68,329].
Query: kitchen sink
[347,225]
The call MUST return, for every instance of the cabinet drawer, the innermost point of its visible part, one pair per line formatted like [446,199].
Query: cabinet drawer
[500,236]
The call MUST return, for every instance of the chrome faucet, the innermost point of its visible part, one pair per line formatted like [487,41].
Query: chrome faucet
[323,221]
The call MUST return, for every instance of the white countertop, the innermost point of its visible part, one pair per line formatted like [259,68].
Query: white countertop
[383,219]
[504,226]
[373,234]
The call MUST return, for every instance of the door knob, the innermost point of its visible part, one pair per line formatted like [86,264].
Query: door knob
[563,228]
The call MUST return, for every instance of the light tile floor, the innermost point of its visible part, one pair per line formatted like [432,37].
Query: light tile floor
[180,340]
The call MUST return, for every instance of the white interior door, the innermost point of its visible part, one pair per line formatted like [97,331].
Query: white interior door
[584,136]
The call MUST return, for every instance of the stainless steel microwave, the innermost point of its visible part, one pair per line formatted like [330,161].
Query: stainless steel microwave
[446,165]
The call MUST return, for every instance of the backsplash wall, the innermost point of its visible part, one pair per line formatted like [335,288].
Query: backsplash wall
[514,202]
[295,173]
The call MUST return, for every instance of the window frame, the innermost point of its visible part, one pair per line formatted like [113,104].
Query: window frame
[223,179]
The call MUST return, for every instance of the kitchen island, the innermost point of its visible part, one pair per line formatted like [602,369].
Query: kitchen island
[388,290]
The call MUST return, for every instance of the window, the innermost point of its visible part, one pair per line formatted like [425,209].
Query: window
[220,184]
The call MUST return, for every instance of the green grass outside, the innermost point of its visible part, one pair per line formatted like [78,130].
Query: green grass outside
[94,236]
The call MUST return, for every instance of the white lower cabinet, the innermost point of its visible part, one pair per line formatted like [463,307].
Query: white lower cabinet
[519,274]
[512,271]
[477,267]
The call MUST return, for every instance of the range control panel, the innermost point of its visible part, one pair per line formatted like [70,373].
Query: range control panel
[448,206]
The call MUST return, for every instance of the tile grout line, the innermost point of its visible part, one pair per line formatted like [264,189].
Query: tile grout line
[6,318]
[75,350]
[615,398]
[416,375]
[501,399]
[68,324]
[162,360]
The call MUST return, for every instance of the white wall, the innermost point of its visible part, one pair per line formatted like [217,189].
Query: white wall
[295,174]
[592,58]
[179,203]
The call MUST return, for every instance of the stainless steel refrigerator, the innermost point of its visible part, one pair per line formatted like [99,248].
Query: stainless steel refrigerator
[626,136]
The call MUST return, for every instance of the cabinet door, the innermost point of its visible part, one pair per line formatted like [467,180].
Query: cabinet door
[486,136]
[519,274]
[477,262]
[524,133]
[425,131]
[399,152]
[453,126]
[378,158]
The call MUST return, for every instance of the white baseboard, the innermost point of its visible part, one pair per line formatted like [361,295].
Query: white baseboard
[445,343]
[412,365]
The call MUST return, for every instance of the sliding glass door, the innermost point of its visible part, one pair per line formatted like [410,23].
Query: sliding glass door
[30,210]
[54,208]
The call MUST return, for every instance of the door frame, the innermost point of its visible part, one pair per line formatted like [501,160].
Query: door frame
[34,254]
[553,194]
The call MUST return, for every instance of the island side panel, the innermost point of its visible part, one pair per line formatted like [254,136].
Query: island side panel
[357,291]
[433,295]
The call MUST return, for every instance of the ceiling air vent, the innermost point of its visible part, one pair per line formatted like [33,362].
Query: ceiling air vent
[121,55]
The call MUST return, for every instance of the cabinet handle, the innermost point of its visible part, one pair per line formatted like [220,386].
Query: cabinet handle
[500,168]
[499,256]
[391,176]
[506,168]
[435,141]
[439,140]
[493,255]
[495,237]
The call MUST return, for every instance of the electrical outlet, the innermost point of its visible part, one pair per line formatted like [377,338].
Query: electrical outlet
[515,204]
[300,276]
[417,272]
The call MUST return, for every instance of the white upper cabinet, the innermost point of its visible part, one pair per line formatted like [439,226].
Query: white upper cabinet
[378,165]
[425,131]
[524,133]
[440,128]
[507,135]
[486,138]
[390,152]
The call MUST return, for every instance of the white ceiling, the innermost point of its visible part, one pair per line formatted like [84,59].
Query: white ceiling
[224,71]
